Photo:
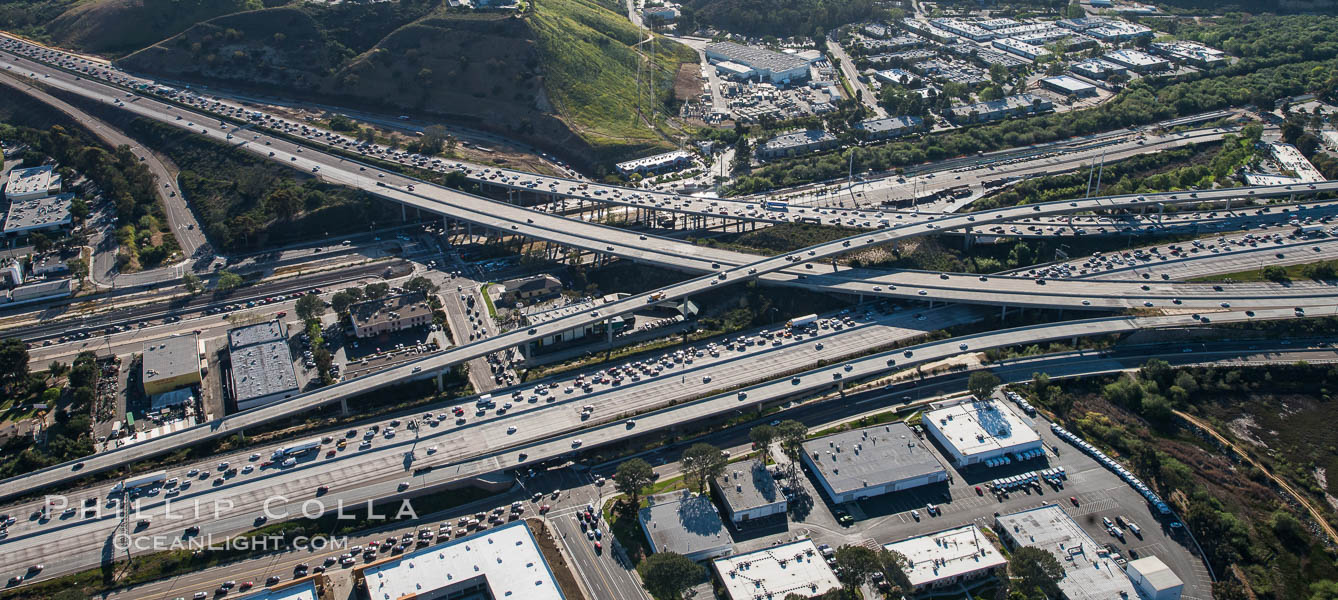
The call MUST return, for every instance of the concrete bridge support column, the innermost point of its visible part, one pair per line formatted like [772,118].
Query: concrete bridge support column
[1003,312]
[343,407]
[404,213]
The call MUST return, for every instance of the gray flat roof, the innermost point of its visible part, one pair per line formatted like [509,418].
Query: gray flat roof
[798,139]
[262,369]
[757,58]
[891,123]
[27,181]
[1071,84]
[748,485]
[247,335]
[165,359]
[1089,573]
[861,458]
[684,523]
[38,213]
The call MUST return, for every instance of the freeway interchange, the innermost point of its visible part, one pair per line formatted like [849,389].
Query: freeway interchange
[553,431]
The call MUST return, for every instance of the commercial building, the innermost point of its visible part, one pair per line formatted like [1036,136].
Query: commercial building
[980,112]
[50,263]
[262,366]
[873,461]
[1137,61]
[895,76]
[1330,138]
[1020,48]
[658,163]
[955,72]
[997,24]
[505,562]
[1289,157]
[1097,68]
[795,143]
[948,557]
[1089,571]
[963,28]
[303,588]
[38,214]
[776,67]
[890,127]
[663,13]
[1189,53]
[1081,24]
[37,292]
[687,524]
[1118,31]
[749,492]
[776,572]
[927,30]
[1153,579]
[877,30]
[528,288]
[171,364]
[981,431]
[390,314]
[1069,86]
[34,182]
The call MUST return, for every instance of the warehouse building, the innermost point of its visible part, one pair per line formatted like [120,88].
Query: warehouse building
[1069,86]
[659,163]
[1153,579]
[948,557]
[43,213]
[171,364]
[1190,53]
[882,129]
[505,562]
[749,493]
[963,28]
[994,110]
[1020,48]
[302,588]
[262,366]
[775,67]
[873,461]
[776,572]
[35,182]
[1098,69]
[895,76]
[1137,61]
[687,524]
[1089,571]
[796,143]
[1118,31]
[390,314]
[981,432]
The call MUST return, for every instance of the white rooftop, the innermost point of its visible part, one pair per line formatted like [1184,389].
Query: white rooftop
[776,572]
[1157,574]
[301,589]
[947,554]
[506,560]
[976,427]
[30,180]
[1089,572]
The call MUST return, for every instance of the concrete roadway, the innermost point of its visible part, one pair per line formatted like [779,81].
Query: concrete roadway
[540,435]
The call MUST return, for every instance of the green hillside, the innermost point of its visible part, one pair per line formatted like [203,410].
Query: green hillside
[562,76]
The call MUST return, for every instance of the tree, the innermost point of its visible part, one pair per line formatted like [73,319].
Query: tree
[341,300]
[192,282]
[894,566]
[855,566]
[701,463]
[791,434]
[762,436]
[632,476]
[284,202]
[376,291]
[1036,570]
[667,575]
[13,362]
[998,73]
[78,268]
[1276,274]
[40,241]
[981,384]
[309,307]
[421,284]
[227,280]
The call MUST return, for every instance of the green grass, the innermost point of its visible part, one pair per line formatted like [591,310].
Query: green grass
[492,310]
[1294,272]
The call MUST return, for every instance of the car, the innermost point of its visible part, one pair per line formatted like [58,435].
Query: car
[1074,500]
[844,518]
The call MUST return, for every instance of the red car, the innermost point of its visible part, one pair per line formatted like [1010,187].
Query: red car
[245,586]
[979,492]
[599,546]
[1074,500]
[330,454]
[281,314]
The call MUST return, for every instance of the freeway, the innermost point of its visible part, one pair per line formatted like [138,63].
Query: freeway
[540,435]
[519,221]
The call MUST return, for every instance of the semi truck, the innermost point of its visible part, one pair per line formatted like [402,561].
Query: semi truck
[1310,230]
[801,321]
[776,205]
[141,481]
[312,445]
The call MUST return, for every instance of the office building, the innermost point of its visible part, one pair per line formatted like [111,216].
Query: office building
[1020,48]
[796,143]
[775,67]
[1153,579]
[1069,86]
[500,563]
[687,524]
[890,127]
[34,182]
[262,366]
[1090,573]
[963,28]
[1137,61]
[43,213]
[1096,68]
[1189,53]
[776,572]
[1118,31]
[948,558]
[981,432]
[530,288]
[659,163]
[390,314]
[170,364]
[873,461]
[749,493]
[302,588]
[980,112]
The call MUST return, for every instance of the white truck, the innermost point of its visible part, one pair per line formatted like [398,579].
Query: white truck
[135,483]
[311,445]
[801,321]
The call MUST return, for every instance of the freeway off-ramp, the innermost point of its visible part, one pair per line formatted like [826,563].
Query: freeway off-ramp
[542,435]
